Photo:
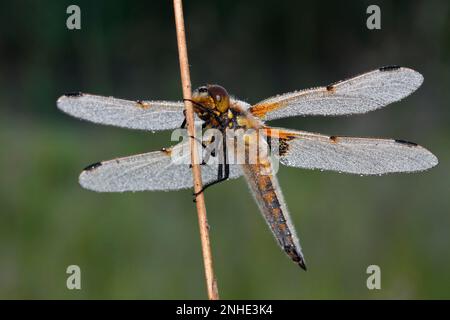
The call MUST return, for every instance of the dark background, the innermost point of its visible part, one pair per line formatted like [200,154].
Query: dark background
[146,245]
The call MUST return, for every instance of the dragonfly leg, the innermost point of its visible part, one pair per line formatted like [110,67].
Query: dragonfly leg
[199,141]
[222,174]
[204,146]
[220,178]
[183,125]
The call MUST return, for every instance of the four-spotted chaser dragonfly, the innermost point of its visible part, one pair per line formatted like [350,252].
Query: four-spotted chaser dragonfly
[216,109]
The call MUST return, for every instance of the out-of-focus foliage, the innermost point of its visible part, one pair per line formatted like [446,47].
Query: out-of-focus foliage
[146,245]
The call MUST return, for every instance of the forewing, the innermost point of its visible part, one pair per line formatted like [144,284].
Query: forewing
[365,156]
[143,115]
[157,170]
[360,94]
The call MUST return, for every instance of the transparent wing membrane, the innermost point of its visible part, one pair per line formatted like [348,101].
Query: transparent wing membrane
[156,170]
[143,115]
[365,156]
[360,94]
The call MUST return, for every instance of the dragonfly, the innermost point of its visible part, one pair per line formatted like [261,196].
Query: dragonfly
[216,109]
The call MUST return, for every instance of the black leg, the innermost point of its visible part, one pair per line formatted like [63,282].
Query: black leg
[206,157]
[269,142]
[203,146]
[183,125]
[209,154]
[220,172]
[199,141]
[219,179]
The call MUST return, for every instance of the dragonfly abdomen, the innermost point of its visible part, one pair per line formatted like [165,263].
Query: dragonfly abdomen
[271,204]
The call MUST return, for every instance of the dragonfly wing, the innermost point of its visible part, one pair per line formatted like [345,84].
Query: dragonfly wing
[143,115]
[360,94]
[168,169]
[364,156]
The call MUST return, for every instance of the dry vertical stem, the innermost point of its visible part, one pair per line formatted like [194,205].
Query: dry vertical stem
[211,284]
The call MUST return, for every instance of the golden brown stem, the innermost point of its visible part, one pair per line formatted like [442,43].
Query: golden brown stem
[211,283]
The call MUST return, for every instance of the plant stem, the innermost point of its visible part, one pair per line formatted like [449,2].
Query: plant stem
[211,283]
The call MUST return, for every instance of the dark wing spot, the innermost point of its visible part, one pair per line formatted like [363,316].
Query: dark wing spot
[142,104]
[333,138]
[408,143]
[92,166]
[73,94]
[389,68]
[331,88]
[167,151]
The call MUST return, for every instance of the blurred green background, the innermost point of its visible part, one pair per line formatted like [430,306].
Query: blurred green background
[146,245]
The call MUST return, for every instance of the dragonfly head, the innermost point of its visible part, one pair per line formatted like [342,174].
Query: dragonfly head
[212,96]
